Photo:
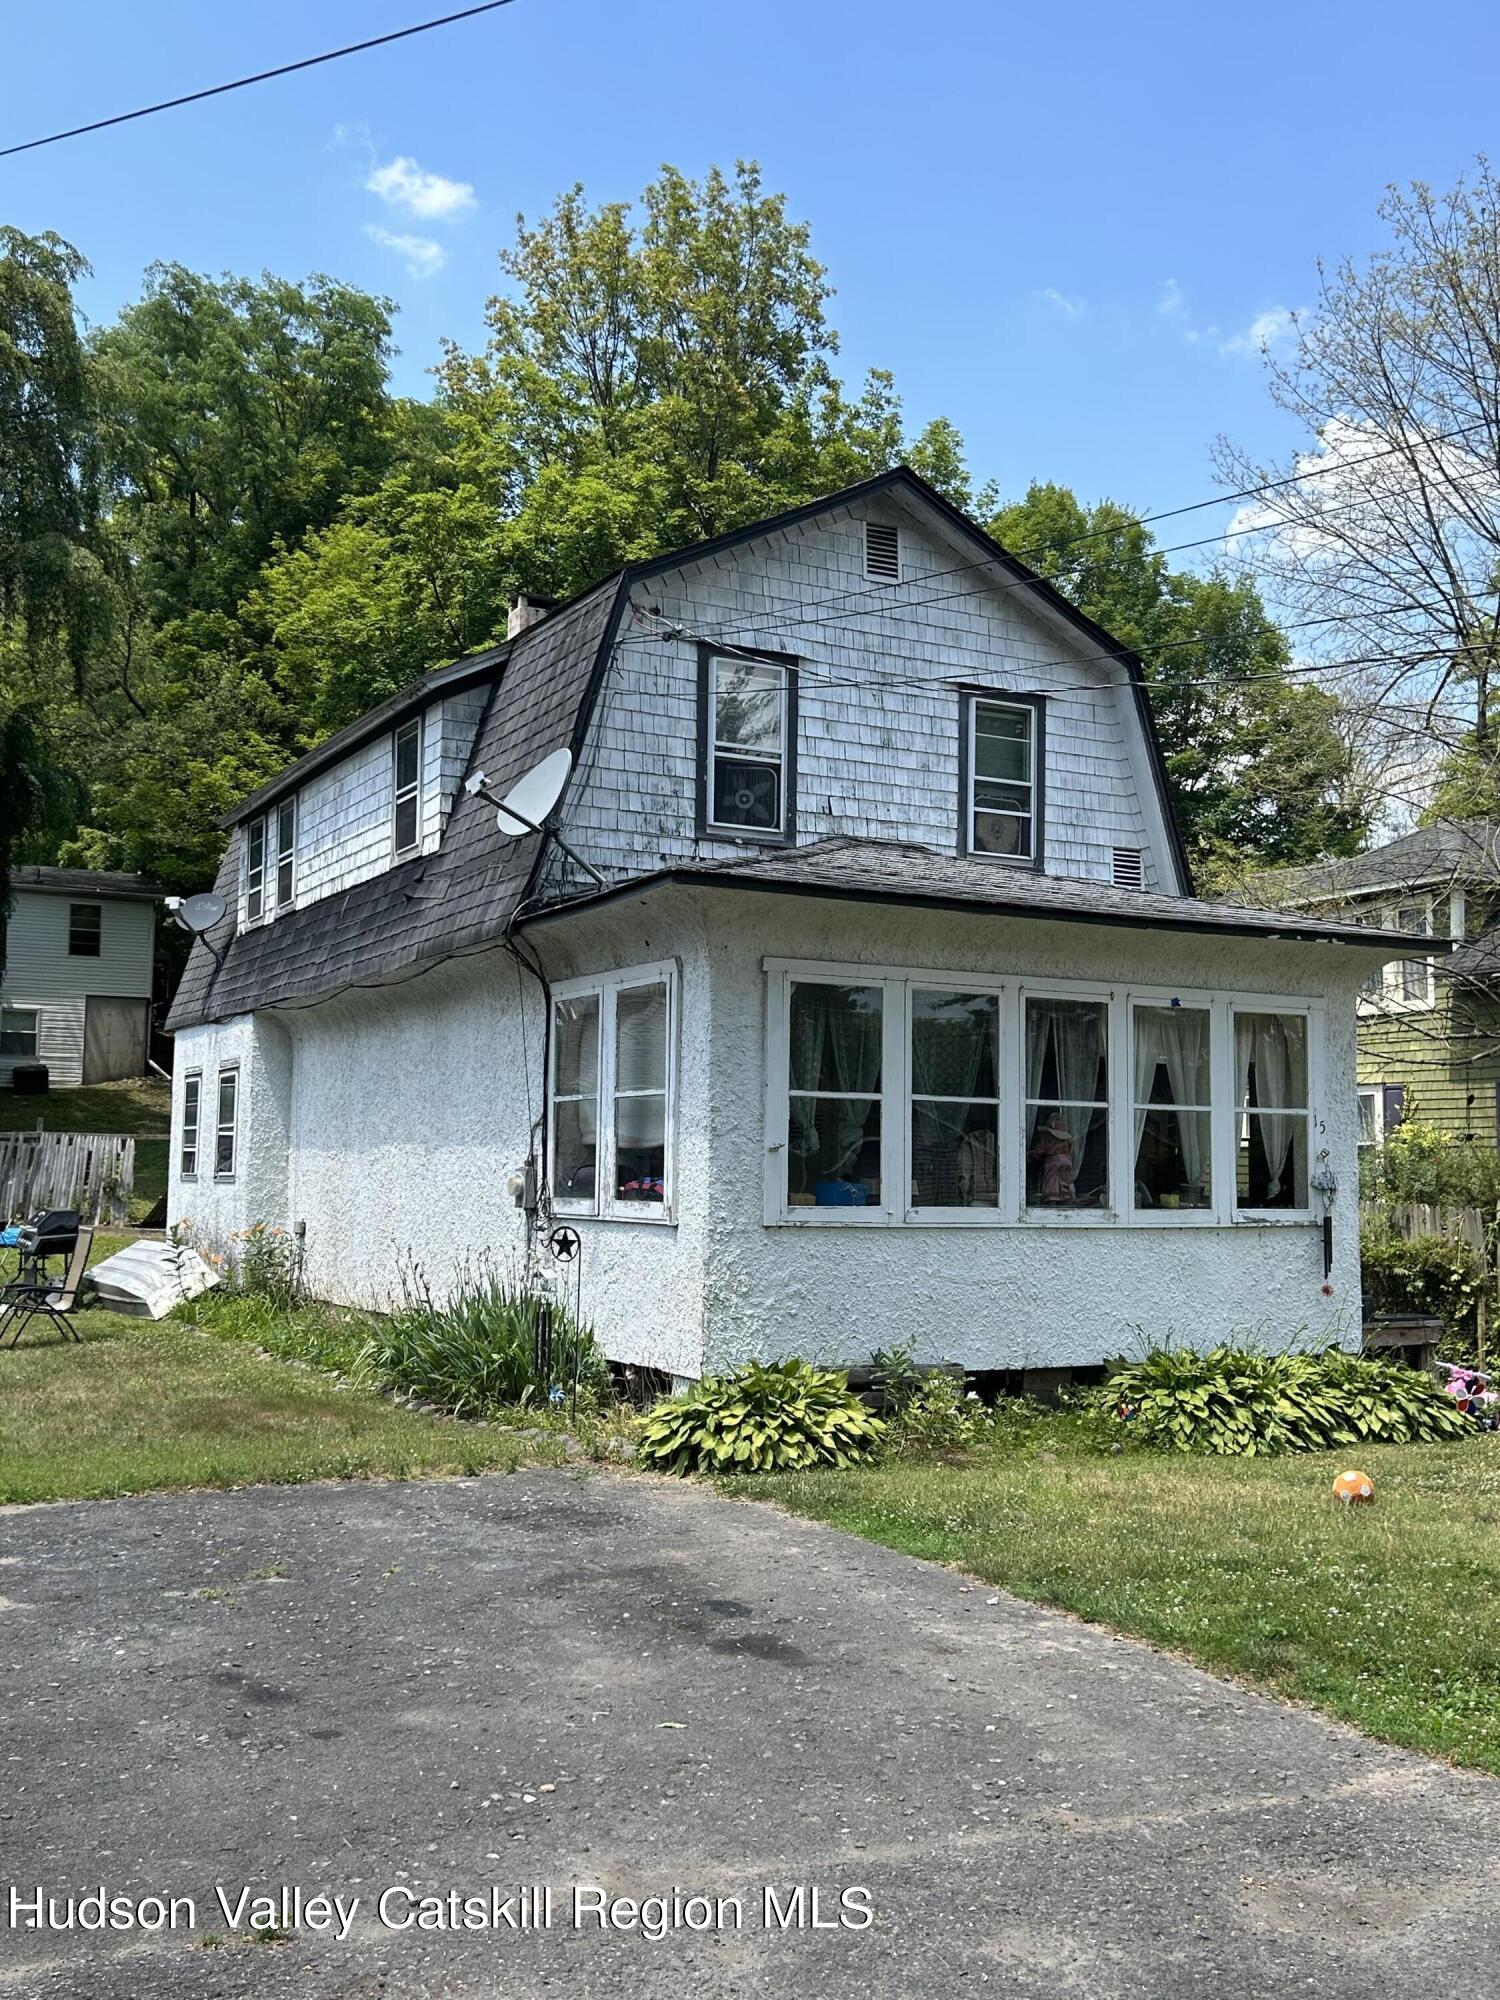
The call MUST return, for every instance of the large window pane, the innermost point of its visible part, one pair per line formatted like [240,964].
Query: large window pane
[641,1039]
[748,706]
[641,1093]
[641,1148]
[834,1121]
[1270,1065]
[836,1034]
[1173,1141]
[1002,742]
[575,1027]
[955,1099]
[833,1152]
[576,1143]
[1067,1113]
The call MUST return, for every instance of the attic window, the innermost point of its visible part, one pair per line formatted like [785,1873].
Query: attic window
[1129,868]
[882,552]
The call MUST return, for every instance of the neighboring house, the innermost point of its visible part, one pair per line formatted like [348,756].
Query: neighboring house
[76,990]
[893,1019]
[1429,1026]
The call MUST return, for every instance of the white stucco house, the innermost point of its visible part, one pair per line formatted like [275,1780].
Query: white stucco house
[76,990]
[892,1017]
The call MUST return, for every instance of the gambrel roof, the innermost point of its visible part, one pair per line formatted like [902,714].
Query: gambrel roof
[544,686]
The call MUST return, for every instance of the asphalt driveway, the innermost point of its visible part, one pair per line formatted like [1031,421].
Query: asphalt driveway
[565,1679]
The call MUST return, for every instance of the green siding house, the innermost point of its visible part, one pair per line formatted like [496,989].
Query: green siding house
[1429,1028]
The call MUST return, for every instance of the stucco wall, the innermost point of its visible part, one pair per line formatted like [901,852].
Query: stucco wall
[216,1208]
[1034,1294]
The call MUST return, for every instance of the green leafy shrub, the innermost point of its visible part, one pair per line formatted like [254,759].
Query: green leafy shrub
[1234,1401]
[268,1263]
[942,1419]
[765,1417]
[477,1352]
[1421,1274]
[1420,1163]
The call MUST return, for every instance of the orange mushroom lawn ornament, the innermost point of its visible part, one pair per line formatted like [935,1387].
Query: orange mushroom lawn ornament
[1352,1488]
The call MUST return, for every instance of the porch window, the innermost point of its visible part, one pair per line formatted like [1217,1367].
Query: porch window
[1002,804]
[747,734]
[406,777]
[612,1094]
[255,871]
[224,1128]
[85,929]
[1173,1107]
[18,1032]
[192,1096]
[835,1092]
[1413,976]
[286,852]
[1067,1103]
[1270,1070]
[955,1099]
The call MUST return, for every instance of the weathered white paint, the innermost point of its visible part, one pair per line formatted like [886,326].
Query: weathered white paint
[876,759]
[411,1104]
[41,973]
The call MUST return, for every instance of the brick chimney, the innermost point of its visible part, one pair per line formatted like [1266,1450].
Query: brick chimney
[524,611]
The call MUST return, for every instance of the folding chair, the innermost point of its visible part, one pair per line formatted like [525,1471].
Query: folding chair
[53,1299]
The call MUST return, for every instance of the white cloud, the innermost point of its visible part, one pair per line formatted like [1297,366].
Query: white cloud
[1274,328]
[1060,302]
[1171,300]
[423,257]
[402,184]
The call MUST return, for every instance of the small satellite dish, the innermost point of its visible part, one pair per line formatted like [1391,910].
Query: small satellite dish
[531,798]
[200,913]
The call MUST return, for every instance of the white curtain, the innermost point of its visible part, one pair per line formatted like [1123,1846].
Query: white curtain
[1176,1038]
[1078,1043]
[843,1025]
[1261,1040]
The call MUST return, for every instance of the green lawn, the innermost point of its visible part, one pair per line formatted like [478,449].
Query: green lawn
[141,1106]
[1387,1616]
[142,1406]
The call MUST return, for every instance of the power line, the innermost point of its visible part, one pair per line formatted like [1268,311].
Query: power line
[261,76]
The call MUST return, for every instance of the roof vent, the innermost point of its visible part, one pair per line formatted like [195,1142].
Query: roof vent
[882,552]
[524,611]
[1128,871]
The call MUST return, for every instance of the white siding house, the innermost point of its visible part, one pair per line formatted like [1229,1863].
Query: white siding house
[76,990]
[881,1007]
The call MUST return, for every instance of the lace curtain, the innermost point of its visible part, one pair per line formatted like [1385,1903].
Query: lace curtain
[1175,1038]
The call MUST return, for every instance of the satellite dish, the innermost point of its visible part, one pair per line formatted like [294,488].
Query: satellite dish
[531,798]
[200,913]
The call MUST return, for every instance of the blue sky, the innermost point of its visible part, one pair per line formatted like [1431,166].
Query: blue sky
[1057,226]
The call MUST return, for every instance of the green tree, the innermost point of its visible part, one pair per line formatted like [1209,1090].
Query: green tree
[1259,772]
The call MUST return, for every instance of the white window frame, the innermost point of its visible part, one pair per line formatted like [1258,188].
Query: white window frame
[607,987]
[1010,1210]
[973,702]
[256,902]
[400,793]
[286,852]
[734,829]
[1376,1094]
[10,1009]
[1386,994]
[188,1145]
[231,1125]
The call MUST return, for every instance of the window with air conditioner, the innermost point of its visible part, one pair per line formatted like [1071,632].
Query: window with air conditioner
[748,746]
[1002,799]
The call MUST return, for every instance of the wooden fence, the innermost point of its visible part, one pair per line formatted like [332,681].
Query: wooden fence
[93,1172]
[1474,1226]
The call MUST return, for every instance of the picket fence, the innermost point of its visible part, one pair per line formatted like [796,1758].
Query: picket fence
[93,1172]
[1474,1226]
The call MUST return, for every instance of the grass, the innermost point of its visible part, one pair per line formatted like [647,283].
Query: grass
[1386,1616]
[147,1406]
[138,1106]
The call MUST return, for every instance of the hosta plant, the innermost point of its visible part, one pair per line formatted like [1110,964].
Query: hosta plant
[1235,1401]
[765,1417]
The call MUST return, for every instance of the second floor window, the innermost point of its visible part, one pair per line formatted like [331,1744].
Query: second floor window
[286,852]
[1002,803]
[255,871]
[747,740]
[406,779]
[85,929]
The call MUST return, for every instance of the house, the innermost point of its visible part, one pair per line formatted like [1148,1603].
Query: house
[76,990]
[854,993]
[1429,1025]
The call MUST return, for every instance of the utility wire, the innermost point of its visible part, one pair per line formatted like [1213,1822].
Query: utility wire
[261,76]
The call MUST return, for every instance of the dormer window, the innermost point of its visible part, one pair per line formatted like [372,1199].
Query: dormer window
[255,871]
[748,734]
[1002,795]
[882,552]
[286,852]
[406,780]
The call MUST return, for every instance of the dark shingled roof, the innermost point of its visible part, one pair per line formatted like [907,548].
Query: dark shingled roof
[1453,851]
[901,872]
[432,906]
[87,882]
